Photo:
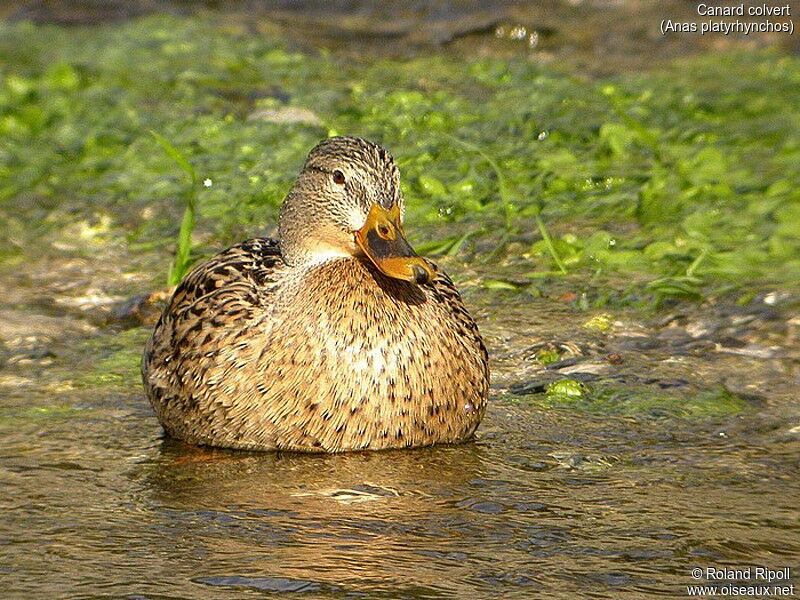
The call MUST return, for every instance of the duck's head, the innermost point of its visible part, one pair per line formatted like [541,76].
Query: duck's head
[347,202]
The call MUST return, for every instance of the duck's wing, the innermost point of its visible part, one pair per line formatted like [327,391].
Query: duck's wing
[228,284]
[221,295]
[444,292]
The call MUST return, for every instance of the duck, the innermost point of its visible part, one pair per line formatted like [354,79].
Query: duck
[335,337]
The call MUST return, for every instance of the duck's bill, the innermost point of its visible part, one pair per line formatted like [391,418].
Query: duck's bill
[382,240]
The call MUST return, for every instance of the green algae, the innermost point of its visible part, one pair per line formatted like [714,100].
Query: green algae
[641,400]
[547,356]
[565,390]
[53,411]
[601,323]
[673,184]
[15,416]
[116,359]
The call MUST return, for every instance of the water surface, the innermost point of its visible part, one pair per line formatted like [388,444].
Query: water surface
[550,500]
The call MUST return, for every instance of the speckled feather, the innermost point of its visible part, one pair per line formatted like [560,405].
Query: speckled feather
[255,353]
[248,356]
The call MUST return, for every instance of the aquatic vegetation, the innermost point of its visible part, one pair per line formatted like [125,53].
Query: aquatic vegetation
[601,323]
[565,390]
[116,359]
[547,356]
[640,400]
[661,186]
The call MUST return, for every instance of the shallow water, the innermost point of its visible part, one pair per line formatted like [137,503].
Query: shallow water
[551,500]
[551,504]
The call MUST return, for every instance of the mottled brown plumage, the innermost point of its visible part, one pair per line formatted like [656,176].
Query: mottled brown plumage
[307,344]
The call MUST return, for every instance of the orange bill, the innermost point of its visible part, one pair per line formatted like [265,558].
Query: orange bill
[382,240]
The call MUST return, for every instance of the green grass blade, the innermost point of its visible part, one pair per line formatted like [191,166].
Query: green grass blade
[175,155]
[180,265]
[549,243]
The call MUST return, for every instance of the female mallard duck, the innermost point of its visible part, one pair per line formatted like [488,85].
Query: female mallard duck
[335,337]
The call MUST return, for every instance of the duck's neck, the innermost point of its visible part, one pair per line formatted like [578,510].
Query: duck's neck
[314,257]
[310,236]
[352,280]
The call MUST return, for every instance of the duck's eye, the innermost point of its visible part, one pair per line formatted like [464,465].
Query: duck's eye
[338,177]
[384,232]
